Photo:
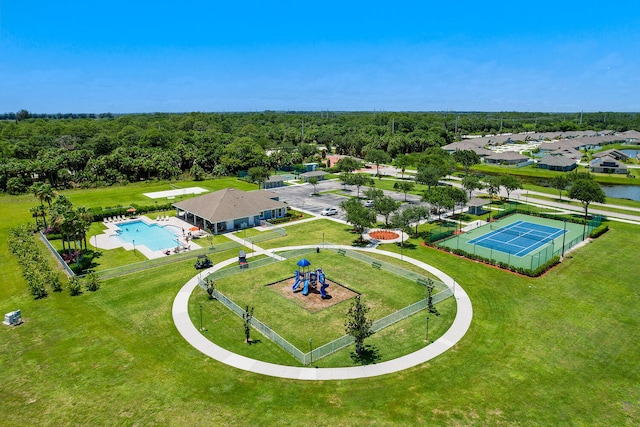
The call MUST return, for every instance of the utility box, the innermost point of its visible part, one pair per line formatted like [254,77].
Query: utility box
[13,318]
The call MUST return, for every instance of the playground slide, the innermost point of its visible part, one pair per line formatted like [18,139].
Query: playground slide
[305,291]
[295,285]
[323,288]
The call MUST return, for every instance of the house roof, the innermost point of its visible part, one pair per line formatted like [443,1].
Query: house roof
[610,163]
[569,152]
[616,154]
[507,155]
[230,204]
[559,161]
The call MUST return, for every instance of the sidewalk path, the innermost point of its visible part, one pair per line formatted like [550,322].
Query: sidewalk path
[457,330]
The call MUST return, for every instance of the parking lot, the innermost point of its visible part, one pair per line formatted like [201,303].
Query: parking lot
[300,197]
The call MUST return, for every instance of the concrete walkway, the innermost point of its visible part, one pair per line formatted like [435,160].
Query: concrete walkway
[457,330]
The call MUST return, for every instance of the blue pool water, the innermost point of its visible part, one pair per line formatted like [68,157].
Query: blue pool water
[154,236]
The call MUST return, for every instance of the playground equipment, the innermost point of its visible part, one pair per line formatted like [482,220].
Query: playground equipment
[309,280]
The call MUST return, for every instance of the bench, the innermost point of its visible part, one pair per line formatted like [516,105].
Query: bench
[342,252]
[376,264]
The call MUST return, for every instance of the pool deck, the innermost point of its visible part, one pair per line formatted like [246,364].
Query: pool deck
[104,240]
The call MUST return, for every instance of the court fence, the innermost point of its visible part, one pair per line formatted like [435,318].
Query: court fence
[441,293]
[530,265]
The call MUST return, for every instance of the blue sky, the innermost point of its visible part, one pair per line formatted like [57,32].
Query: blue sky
[159,56]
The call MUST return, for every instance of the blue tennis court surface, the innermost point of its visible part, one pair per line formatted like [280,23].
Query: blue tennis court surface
[519,238]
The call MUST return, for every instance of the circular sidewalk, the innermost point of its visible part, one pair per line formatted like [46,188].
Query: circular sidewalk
[461,323]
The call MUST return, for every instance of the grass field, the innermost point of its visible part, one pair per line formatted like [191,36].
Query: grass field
[562,349]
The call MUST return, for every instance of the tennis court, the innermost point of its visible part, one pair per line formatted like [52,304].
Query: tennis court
[519,238]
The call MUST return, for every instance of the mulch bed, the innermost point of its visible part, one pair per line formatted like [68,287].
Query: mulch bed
[313,302]
[384,235]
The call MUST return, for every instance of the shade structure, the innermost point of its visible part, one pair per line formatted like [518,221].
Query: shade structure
[304,263]
[194,229]
[131,210]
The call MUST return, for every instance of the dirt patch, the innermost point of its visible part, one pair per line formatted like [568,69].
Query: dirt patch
[313,302]
[384,235]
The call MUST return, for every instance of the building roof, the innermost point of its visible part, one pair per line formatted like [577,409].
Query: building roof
[557,161]
[616,154]
[608,163]
[274,178]
[476,201]
[569,152]
[312,174]
[507,156]
[230,204]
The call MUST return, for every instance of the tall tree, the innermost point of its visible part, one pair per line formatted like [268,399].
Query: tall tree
[471,183]
[258,174]
[357,325]
[467,158]
[385,206]
[402,161]
[357,215]
[377,157]
[587,191]
[510,183]
[404,186]
[359,179]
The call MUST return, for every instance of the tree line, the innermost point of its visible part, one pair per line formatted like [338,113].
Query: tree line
[105,149]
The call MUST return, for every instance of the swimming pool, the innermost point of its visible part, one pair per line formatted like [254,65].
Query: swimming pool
[153,236]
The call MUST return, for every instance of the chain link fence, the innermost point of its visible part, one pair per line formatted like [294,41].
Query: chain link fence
[442,292]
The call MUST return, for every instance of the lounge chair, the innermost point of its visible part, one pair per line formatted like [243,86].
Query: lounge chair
[157,218]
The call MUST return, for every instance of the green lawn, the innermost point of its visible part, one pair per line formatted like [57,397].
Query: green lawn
[383,291]
[561,349]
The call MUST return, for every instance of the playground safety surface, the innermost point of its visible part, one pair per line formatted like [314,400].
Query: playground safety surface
[313,302]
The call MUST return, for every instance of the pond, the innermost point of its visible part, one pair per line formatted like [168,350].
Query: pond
[631,192]
[631,153]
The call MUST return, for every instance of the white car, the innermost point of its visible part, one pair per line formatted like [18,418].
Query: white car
[329,211]
[368,203]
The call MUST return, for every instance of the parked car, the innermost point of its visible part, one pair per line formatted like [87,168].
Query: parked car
[368,203]
[329,211]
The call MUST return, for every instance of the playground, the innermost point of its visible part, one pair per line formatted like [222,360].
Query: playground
[276,291]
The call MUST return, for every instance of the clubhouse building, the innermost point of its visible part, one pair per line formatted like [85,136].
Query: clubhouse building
[230,209]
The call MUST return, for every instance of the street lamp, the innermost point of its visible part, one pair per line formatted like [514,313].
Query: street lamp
[134,247]
[427,330]
[311,349]
[201,328]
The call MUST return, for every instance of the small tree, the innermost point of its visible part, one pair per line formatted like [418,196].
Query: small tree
[92,282]
[54,280]
[559,182]
[74,285]
[246,323]
[357,324]
[313,181]
[258,175]
[430,287]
